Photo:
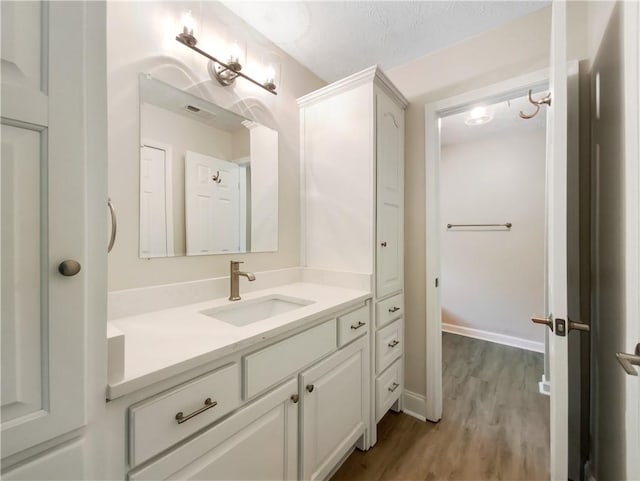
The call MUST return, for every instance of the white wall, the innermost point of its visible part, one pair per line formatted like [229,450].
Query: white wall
[141,38]
[493,279]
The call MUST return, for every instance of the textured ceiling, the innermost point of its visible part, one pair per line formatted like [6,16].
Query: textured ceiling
[337,38]
[453,129]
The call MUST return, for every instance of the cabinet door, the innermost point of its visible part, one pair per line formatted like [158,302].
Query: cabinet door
[258,442]
[334,409]
[44,217]
[390,196]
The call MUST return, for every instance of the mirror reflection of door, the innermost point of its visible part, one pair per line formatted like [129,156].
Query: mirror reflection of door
[212,204]
[155,204]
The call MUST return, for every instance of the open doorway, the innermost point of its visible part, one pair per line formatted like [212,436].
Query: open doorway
[486,257]
[492,258]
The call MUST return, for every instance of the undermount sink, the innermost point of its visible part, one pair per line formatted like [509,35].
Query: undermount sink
[254,310]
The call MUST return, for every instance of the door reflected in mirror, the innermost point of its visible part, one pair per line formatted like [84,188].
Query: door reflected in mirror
[208,177]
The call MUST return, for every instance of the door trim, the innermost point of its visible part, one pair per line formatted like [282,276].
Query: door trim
[433,112]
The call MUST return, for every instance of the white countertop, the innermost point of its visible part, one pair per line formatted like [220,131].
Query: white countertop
[165,343]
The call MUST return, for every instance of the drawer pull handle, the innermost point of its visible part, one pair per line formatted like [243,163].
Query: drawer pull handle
[295,398]
[393,343]
[394,309]
[310,387]
[208,404]
[393,387]
[359,325]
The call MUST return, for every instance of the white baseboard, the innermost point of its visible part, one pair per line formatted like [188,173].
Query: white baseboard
[544,386]
[414,405]
[494,337]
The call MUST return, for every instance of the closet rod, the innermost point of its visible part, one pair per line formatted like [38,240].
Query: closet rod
[507,225]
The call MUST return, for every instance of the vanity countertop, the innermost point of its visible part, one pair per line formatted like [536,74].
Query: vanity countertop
[165,343]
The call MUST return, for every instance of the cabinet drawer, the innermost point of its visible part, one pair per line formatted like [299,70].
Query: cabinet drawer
[272,364]
[388,388]
[154,423]
[259,441]
[389,345]
[353,325]
[388,310]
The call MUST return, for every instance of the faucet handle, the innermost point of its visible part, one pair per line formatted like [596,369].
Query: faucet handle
[237,262]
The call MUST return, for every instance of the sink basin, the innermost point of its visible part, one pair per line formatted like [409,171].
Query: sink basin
[254,310]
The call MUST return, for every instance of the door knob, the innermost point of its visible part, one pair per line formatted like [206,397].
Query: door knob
[294,398]
[310,387]
[383,244]
[543,320]
[69,267]
[627,361]
[578,326]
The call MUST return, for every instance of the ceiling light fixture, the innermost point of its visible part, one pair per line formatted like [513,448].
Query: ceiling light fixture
[224,72]
[478,116]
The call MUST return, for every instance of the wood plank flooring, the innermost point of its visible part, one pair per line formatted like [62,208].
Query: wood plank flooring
[495,424]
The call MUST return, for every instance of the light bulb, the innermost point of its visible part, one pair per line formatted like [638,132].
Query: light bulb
[188,23]
[234,53]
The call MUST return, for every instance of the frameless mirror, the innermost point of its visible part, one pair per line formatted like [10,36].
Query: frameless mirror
[208,177]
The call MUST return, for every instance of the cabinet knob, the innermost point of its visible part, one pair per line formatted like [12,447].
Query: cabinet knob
[295,398]
[383,243]
[310,387]
[69,268]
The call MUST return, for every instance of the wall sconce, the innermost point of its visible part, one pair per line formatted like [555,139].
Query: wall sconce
[224,72]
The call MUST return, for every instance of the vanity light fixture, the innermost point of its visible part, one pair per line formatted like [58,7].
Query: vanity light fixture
[478,116]
[224,72]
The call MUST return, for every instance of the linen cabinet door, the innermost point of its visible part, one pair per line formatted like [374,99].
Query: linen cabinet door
[48,273]
[334,410]
[259,442]
[390,197]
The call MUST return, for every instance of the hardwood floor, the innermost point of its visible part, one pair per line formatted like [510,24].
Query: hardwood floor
[495,424]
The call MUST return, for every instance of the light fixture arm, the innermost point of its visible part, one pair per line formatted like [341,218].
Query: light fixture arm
[237,73]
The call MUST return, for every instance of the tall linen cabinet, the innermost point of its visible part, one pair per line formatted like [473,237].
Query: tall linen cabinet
[352,214]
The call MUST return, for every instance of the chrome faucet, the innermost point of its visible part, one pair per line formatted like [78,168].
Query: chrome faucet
[235,279]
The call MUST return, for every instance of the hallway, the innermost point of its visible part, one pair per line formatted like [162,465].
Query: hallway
[495,423]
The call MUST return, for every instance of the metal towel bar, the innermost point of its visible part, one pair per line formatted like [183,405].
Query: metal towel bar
[506,224]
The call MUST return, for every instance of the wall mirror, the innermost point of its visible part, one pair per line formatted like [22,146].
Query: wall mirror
[208,177]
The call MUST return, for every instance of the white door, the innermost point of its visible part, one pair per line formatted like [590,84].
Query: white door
[44,221]
[333,410]
[616,237]
[556,271]
[390,197]
[153,206]
[212,205]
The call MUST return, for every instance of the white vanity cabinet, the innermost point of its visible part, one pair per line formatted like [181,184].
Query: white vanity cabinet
[334,409]
[352,182]
[287,409]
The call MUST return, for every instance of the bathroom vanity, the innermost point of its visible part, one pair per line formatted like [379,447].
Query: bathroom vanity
[216,390]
